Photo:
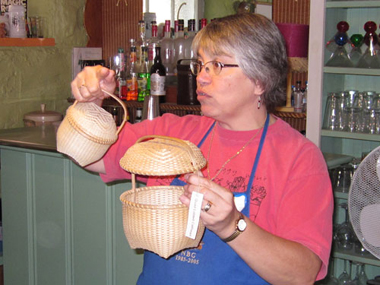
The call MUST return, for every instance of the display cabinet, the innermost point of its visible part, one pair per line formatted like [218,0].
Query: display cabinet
[324,17]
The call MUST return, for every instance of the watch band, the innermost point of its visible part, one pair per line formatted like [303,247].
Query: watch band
[236,232]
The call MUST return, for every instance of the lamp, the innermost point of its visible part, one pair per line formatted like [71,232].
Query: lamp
[297,44]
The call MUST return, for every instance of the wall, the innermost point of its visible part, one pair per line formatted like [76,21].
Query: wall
[221,8]
[30,76]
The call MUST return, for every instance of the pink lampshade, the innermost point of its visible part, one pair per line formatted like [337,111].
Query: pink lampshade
[296,37]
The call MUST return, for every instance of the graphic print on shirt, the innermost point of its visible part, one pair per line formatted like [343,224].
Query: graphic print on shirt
[231,180]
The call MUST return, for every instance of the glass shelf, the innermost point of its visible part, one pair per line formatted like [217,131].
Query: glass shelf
[352,4]
[351,71]
[26,42]
[340,195]
[347,135]
[356,257]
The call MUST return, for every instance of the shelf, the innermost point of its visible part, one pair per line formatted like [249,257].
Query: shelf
[356,257]
[352,4]
[347,135]
[334,160]
[351,71]
[26,42]
[341,195]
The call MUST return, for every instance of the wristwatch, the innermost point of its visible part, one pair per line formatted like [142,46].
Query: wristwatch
[241,225]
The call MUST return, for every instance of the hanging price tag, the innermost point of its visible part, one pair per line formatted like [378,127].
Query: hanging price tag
[194,214]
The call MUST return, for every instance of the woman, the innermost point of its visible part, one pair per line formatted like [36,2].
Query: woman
[279,229]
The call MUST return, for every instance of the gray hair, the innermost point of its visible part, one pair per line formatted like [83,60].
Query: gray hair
[258,47]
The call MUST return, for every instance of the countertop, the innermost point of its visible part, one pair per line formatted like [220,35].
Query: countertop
[39,138]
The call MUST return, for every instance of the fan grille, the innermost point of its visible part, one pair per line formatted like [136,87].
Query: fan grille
[364,203]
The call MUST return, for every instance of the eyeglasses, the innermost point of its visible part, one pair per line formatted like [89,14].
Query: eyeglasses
[215,67]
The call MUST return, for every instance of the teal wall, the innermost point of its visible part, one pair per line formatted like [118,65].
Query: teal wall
[30,76]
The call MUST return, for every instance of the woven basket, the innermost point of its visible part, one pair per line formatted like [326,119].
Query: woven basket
[87,131]
[153,217]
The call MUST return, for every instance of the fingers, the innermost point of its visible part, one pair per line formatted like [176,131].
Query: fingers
[88,84]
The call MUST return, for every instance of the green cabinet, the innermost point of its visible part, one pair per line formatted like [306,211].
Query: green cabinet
[62,224]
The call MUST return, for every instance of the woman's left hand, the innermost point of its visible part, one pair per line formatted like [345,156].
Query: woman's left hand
[221,217]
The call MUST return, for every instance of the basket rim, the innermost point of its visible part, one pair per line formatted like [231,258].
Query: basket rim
[149,206]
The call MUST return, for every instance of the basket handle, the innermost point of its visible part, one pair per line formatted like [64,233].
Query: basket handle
[179,141]
[122,105]
[124,108]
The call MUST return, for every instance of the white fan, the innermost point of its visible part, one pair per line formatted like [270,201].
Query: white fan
[364,202]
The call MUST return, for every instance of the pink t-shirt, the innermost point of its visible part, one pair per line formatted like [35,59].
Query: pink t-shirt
[291,195]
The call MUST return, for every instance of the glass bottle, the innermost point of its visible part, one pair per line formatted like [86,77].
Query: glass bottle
[189,40]
[157,77]
[179,44]
[140,43]
[143,77]
[370,57]
[340,57]
[122,77]
[132,87]
[202,23]
[356,52]
[298,98]
[153,42]
[167,50]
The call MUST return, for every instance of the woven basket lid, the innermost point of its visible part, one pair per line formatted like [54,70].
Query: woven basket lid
[161,156]
[93,122]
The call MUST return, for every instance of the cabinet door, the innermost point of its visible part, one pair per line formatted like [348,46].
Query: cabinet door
[62,224]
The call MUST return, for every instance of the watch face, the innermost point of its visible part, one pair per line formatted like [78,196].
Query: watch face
[241,225]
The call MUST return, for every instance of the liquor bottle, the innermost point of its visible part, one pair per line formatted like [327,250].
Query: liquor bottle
[140,43]
[153,42]
[143,78]
[121,76]
[179,44]
[157,77]
[189,40]
[132,74]
[202,23]
[298,98]
[304,99]
[138,117]
[167,50]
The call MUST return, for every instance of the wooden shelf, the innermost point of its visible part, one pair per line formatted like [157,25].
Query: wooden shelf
[26,42]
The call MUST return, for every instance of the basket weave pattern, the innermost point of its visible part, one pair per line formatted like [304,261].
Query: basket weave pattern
[163,156]
[156,221]
[153,217]
[86,133]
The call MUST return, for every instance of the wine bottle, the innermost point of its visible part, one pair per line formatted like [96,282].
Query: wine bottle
[157,77]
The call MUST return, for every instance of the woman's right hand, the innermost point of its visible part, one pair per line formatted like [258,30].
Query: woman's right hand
[88,84]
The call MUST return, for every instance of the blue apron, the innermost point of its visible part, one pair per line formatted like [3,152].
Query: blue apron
[213,262]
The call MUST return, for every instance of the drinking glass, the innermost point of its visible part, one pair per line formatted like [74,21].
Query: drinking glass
[353,107]
[369,113]
[344,277]
[345,233]
[360,277]
[344,176]
[333,113]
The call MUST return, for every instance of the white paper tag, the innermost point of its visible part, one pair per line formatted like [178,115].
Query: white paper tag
[194,214]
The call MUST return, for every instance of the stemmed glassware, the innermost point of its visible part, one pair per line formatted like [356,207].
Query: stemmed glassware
[345,234]
[344,277]
[360,277]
